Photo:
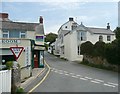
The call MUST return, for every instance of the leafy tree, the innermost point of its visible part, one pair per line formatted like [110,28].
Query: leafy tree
[99,49]
[51,37]
[111,52]
[86,48]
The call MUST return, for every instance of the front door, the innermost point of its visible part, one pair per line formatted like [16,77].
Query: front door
[36,59]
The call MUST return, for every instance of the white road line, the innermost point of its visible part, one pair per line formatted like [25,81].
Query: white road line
[109,85]
[60,70]
[72,73]
[60,73]
[112,83]
[78,75]
[66,74]
[74,76]
[65,71]
[88,77]
[98,80]
[95,82]
[83,79]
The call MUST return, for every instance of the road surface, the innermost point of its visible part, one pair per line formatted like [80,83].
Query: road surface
[66,76]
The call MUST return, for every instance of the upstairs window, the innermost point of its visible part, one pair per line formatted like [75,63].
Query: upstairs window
[100,38]
[22,34]
[83,36]
[108,38]
[5,34]
[13,34]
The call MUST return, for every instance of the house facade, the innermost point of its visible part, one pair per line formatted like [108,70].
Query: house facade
[30,36]
[73,39]
[64,29]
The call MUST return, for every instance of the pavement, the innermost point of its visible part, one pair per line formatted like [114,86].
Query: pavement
[35,73]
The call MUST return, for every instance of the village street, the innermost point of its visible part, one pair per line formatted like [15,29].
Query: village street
[66,76]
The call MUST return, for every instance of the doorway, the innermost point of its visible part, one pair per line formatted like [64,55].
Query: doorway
[36,65]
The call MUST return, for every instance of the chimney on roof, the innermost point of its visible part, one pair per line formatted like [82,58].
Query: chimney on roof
[108,26]
[70,19]
[3,15]
[41,20]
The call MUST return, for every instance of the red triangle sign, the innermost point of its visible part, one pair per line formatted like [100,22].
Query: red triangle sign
[16,51]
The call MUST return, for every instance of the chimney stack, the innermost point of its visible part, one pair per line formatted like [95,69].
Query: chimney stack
[4,15]
[108,26]
[41,20]
[70,19]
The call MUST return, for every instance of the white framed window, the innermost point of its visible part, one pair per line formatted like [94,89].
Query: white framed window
[5,34]
[108,38]
[22,34]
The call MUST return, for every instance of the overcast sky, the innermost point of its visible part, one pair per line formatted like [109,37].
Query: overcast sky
[56,13]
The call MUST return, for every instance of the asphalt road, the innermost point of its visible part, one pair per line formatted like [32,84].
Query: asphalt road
[66,76]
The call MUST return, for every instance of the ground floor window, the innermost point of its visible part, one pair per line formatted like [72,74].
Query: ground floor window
[78,50]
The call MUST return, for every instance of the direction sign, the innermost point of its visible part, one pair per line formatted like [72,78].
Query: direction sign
[16,51]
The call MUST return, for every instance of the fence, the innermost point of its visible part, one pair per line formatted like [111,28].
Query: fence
[5,81]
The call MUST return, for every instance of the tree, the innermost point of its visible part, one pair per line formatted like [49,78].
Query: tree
[111,52]
[86,48]
[51,37]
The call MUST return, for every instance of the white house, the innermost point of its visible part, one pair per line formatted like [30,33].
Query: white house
[64,29]
[72,40]
[30,36]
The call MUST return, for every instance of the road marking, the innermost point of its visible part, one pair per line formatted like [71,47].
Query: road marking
[60,73]
[66,74]
[95,81]
[72,73]
[88,77]
[83,79]
[65,71]
[109,85]
[78,75]
[41,80]
[74,76]
[113,83]
[99,80]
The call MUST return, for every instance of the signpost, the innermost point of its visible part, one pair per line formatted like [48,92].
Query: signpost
[16,51]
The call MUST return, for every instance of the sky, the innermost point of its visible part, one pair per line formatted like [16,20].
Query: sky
[55,12]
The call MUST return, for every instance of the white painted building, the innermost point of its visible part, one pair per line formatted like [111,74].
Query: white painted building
[30,36]
[64,29]
[72,40]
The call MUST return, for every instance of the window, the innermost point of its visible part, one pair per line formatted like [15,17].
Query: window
[22,34]
[5,34]
[83,36]
[65,26]
[108,38]
[100,38]
[78,50]
[13,34]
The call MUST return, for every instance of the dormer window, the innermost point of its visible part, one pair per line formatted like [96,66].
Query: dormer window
[65,26]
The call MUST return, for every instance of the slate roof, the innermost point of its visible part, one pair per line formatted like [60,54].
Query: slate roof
[39,29]
[95,30]
[101,31]
[18,25]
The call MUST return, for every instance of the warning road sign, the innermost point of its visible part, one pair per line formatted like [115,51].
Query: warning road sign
[16,51]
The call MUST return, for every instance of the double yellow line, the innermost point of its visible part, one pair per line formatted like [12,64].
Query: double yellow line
[41,80]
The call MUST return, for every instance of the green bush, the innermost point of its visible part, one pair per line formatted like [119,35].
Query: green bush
[9,64]
[19,90]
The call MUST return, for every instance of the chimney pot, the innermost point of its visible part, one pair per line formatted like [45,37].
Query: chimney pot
[41,20]
[70,19]
[3,15]
[108,25]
